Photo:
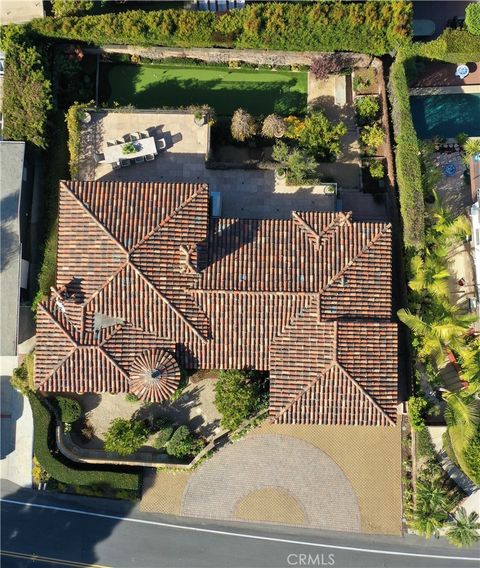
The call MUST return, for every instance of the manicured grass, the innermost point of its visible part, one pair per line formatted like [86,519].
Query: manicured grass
[259,92]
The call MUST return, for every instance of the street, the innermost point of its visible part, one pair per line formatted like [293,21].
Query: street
[44,530]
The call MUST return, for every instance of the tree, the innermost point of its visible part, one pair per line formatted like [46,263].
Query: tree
[320,137]
[236,397]
[472,457]
[469,355]
[377,171]
[63,8]
[368,109]
[447,227]
[125,437]
[183,443]
[243,125]
[430,275]
[69,410]
[432,504]
[273,126]
[372,137]
[163,436]
[463,530]
[472,18]
[298,165]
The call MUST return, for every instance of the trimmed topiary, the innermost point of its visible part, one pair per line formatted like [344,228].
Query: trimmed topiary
[69,410]
[163,436]
[184,444]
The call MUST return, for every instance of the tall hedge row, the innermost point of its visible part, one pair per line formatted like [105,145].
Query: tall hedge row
[407,159]
[58,468]
[472,18]
[454,45]
[369,27]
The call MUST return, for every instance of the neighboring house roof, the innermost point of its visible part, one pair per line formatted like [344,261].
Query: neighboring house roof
[12,156]
[144,274]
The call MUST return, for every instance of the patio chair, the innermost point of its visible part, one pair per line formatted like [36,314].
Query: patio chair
[144,134]
[134,136]
[99,158]
[161,144]
[125,163]
[127,138]
[139,159]
[149,157]
[119,141]
[116,166]
[111,142]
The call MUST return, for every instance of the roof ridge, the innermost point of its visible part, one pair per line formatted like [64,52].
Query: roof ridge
[309,230]
[335,223]
[107,282]
[93,216]
[58,324]
[107,356]
[361,253]
[164,299]
[168,218]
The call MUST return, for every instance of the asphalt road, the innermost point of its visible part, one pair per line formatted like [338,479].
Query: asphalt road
[56,530]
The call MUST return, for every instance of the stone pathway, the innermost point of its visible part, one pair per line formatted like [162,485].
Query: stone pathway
[264,477]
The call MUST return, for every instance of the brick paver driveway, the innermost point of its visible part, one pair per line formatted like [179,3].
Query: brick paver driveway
[273,466]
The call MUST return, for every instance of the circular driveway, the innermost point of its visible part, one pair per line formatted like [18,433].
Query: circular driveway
[238,472]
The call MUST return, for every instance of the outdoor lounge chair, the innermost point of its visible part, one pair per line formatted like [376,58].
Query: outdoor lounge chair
[127,138]
[149,157]
[99,158]
[139,159]
[125,163]
[161,144]
[144,134]
[134,136]
[119,141]
[111,142]
[116,166]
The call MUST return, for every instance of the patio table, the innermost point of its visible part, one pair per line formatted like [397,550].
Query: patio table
[144,147]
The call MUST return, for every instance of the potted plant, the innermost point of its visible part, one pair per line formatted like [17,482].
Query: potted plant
[280,173]
[199,117]
[128,148]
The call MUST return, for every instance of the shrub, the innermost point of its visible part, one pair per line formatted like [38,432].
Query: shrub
[372,137]
[68,409]
[472,18]
[236,397]
[325,65]
[377,170]
[243,125]
[27,94]
[407,158]
[298,165]
[183,444]
[63,470]
[74,115]
[368,109]
[379,27]
[71,7]
[417,406]
[472,458]
[23,377]
[320,137]
[125,437]
[131,397]
[273,126]
[164,435]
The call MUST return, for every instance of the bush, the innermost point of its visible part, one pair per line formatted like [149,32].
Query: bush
[320,137]
[63,470]
[377,170]
[183,444]
[472,18]
[27,94]
[325,65]
[23,376]
[236,397]
[298,166]
[273,126]
[472,458]
[68,409]
[243,125]
[125,437]
[164,435]
[131,397]
[407,158]
[372,137]
[74,115]
[71,7]
[368,109]
[417,407]
[322,27]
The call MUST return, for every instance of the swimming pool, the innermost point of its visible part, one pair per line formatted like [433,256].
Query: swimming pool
[446,115]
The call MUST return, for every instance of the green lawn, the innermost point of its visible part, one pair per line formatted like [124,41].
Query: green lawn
[259,92]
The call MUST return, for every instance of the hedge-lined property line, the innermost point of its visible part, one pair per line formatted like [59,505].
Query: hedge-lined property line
[367,27]
[43,427]
[407,158]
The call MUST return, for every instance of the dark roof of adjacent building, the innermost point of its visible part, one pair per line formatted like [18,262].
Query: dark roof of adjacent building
[12,155]
[144,272]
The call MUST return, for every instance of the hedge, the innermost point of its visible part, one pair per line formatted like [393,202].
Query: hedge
[369,27]
[454,45]
[407,158]
[61,469]
[472,18]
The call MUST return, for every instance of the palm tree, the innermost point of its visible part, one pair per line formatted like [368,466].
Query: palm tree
[430,275]
[445,331]
[463,530]
[448,227]
[462,416]
[431,507]
[469,356]
[472,147]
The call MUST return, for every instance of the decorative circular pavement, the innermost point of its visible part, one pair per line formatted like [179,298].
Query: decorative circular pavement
[273,479]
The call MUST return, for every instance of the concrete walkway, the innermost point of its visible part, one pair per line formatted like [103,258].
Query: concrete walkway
[16,431]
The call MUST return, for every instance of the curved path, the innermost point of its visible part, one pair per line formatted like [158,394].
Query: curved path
[289,466]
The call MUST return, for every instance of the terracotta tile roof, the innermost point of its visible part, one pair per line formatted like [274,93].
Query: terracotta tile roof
[146,279]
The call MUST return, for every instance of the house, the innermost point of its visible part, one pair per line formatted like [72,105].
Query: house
[148,283]
[16,194]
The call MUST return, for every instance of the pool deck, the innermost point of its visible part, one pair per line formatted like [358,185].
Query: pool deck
[442,74]
[450,90]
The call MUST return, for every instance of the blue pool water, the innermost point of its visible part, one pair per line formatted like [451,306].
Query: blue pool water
[446,115]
